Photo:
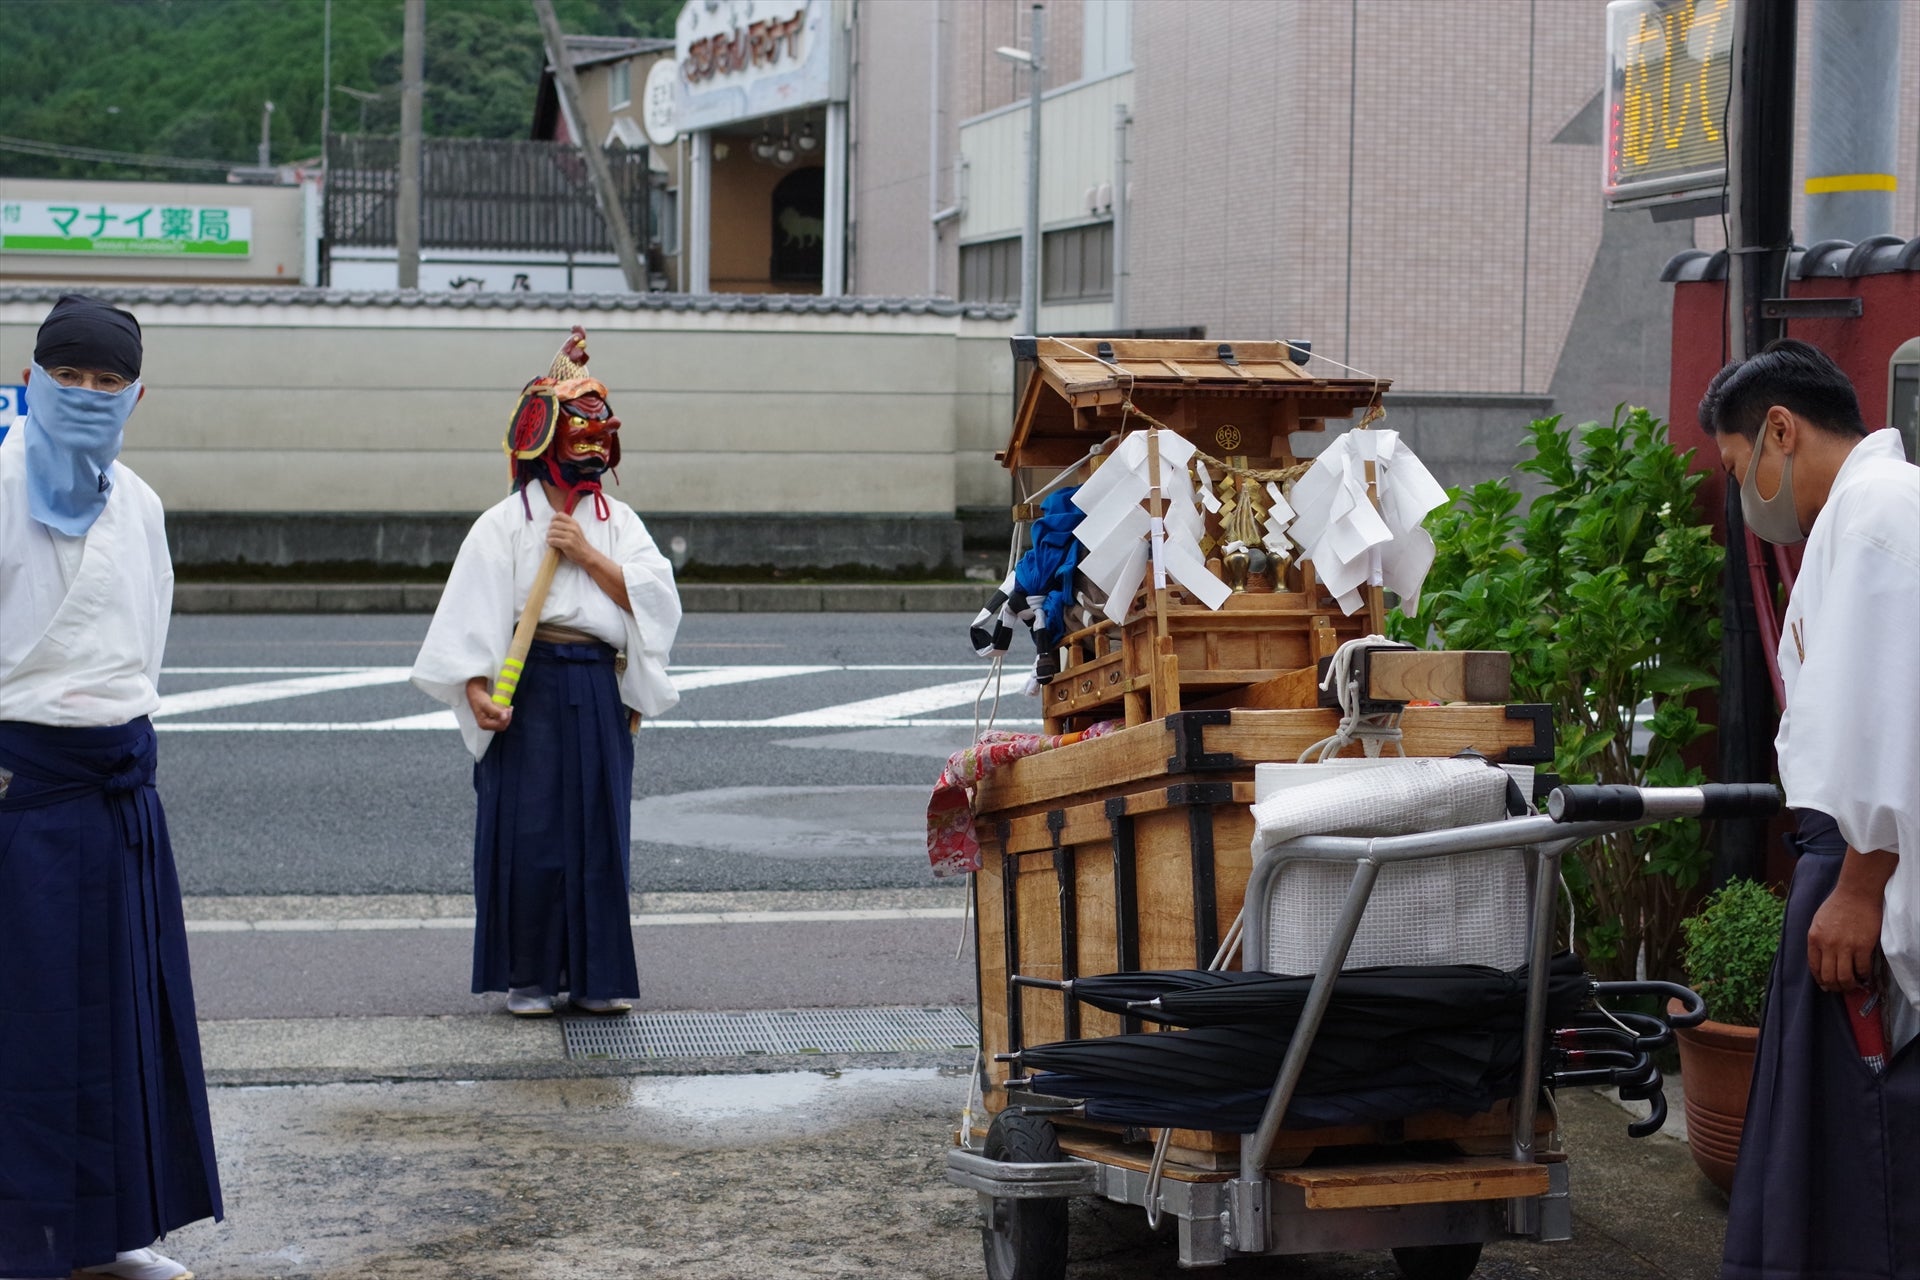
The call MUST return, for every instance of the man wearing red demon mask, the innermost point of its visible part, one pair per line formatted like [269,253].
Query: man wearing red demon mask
[554,769]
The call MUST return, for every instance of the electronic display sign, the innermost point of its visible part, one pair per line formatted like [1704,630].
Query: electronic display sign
[1669,66]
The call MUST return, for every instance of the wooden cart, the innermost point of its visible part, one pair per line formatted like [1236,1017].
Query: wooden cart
[1131,851]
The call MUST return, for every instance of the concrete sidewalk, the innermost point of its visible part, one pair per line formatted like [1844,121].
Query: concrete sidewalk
[772,1174]
[695,597]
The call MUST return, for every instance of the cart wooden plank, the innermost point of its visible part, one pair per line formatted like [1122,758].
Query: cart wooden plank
[1368,1186]
[1102,766]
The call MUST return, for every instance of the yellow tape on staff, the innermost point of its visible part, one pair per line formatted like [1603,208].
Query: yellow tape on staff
[1835,182]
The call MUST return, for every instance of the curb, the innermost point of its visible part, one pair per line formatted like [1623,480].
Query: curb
[695,597]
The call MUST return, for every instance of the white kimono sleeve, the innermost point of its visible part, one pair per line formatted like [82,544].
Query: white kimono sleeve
[655,617]
[1850,742]
[472,627]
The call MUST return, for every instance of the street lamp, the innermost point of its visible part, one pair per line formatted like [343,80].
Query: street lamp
[1033,60]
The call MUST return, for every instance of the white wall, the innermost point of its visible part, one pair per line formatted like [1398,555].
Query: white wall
[1076,152]
[319,405]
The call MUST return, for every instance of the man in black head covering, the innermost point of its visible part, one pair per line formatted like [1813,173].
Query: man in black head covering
[105,1142]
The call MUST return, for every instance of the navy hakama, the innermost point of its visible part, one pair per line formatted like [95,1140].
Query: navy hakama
[105,1141]
[1817,1111]
[551,841]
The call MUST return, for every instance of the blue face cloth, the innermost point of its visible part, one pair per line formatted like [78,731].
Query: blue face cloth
[72,436]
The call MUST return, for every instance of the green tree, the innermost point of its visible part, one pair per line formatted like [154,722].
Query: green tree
[187,78]
[1606,593]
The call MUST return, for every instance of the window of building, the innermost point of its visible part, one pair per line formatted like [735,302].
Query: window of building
[619,86]
[663,216]
[1106,37]
[990,271]
[1077,264]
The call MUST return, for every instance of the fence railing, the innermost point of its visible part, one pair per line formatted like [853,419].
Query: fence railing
[480,194]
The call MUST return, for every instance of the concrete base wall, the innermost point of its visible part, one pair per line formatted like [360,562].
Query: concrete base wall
[203,540]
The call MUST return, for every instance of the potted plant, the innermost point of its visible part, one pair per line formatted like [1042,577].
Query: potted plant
[1730,947]
[1605,589]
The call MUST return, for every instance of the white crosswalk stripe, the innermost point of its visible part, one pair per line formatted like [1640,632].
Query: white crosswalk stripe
[905,709]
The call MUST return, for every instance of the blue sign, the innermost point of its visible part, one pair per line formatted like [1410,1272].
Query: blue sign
[13,403]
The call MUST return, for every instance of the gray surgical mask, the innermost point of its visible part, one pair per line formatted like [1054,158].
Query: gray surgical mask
[1772,519]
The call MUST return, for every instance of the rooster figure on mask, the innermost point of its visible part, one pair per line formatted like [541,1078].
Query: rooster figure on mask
[553,772]
[564,432]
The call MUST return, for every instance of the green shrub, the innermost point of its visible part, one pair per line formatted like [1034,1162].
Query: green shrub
[1731,943]
[1606,593]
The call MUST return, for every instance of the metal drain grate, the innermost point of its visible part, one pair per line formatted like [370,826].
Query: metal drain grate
[775,1031]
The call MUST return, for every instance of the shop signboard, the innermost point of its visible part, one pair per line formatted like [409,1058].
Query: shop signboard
[143,230]
[1668,69]
[660,103]
[744,59]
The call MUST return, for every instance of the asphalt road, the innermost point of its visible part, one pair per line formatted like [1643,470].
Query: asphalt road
[276,783]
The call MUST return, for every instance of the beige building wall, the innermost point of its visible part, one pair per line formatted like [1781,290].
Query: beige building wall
[1449,254]
[894,97]
[279,235]
[264,407]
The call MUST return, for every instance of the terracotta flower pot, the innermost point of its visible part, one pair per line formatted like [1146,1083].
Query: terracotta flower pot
[1716,1070]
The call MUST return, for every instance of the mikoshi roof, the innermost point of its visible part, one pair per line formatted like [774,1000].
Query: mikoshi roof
[1226,397]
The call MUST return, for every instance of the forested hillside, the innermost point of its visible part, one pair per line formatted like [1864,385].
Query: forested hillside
[186,78]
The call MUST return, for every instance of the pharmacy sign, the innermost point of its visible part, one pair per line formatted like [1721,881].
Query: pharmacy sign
[50,226]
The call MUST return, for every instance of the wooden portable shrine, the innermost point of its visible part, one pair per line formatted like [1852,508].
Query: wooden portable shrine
[1131,851]
[1240,405]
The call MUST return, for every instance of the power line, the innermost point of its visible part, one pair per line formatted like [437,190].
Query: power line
[95,155]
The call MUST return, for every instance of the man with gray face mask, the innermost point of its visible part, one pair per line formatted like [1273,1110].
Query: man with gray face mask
[105,1141]
[1830,1155]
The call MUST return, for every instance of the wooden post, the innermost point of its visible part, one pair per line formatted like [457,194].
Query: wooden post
[568,86]
[1166,667]
[1376,598]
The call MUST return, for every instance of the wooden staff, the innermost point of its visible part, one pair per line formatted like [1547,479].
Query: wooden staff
[511,666]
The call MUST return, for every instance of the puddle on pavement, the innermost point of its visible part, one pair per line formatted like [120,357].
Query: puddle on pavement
[726,1110]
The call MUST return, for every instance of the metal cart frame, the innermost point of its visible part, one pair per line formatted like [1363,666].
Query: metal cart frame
[1257,1213]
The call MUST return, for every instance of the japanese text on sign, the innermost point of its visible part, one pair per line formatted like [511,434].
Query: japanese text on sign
[50,226]
[1667,79]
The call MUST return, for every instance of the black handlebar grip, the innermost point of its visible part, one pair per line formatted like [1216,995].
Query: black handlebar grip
[1610,802]
[1739,800]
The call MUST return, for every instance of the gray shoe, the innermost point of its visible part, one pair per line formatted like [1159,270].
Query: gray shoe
[529,1002]
[589,1005]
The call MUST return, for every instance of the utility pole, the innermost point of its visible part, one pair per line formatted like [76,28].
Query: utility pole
[406,216]
[1032,58]
[1760,214]
[609,196]
[1853,120]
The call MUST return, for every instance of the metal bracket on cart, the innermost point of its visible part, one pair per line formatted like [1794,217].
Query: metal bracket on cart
[1190,754]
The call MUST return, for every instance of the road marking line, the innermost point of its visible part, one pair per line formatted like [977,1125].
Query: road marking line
[240,695]
[401,924]
[440,720]
[886,710]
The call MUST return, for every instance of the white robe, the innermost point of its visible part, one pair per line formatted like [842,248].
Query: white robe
[1849,741]
[83,621]
[489,584]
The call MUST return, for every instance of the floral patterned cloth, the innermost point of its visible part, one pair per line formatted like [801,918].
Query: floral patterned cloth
[952,847]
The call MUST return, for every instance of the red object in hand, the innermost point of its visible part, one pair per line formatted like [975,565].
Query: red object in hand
[1869,1026]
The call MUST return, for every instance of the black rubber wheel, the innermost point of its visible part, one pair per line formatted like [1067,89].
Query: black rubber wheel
[1025,1239]
[1437,1261]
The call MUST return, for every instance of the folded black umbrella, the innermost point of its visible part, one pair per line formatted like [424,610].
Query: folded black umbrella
[1239,1111]
[1398,996]
[1113,992]
[1460,1030]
